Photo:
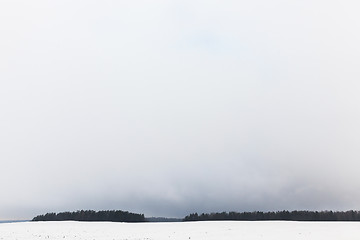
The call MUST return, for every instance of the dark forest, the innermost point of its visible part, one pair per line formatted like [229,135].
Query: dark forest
[279,215]
[90,215]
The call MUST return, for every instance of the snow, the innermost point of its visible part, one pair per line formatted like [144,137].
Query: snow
[223,230]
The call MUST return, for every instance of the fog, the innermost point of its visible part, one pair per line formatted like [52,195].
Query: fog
[171,107]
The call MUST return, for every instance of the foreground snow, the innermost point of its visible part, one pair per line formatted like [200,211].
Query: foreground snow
[189,230]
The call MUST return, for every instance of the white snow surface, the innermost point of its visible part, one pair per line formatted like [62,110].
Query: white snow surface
[221,230]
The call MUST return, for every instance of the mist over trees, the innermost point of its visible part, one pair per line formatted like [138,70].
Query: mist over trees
[279,215]
[90,215]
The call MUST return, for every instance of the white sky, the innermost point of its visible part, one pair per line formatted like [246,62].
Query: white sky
[171,107]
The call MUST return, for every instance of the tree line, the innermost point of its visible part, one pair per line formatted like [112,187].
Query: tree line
[279,215]
[90,215]
[124,216]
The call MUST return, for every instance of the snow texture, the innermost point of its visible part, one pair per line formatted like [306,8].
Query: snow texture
[184,230]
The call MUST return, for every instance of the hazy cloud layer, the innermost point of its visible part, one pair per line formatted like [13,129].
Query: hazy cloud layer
[170,107]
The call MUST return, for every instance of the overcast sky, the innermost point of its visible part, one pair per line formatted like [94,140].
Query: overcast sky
[171,107]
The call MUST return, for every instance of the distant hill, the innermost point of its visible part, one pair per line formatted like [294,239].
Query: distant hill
[90,215]
[13,221]
[163,219]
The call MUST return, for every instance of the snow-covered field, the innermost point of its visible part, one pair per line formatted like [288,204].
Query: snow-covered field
[189,230]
